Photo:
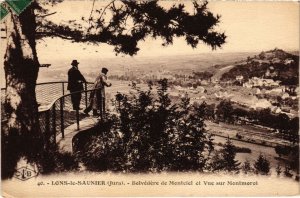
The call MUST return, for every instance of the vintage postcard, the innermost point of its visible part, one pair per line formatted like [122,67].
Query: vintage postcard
[149,98]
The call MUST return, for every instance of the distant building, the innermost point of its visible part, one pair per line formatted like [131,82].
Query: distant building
[239,78]
[288,61]
[215,80]
[276,91]
[285,96]
[275,109]
[217,86]
[222,95]
[260,82]
[262,103]
[257,91]
[204,82]
[271,72]
[174,94]
[194,91]
[200,89]
[247,85]
[276,60]
[251,102]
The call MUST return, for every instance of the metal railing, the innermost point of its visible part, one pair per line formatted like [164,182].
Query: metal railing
[47,92]
[60,115]
[55,108]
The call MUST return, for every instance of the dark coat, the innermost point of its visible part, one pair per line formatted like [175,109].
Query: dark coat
[75,79]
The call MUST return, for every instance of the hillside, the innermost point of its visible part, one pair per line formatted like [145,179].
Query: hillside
[221,65]
[139,66]
[274,64]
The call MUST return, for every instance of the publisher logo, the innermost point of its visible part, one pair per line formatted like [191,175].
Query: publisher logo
[25,173]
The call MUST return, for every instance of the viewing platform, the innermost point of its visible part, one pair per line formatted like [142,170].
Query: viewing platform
[59,123]
[66,144]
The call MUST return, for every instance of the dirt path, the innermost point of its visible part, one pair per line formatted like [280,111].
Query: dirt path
[221,71]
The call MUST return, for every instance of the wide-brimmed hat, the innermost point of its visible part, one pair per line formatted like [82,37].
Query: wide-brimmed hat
[74,62]
[104,69]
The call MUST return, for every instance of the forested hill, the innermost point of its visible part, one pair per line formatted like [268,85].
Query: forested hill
[274,64]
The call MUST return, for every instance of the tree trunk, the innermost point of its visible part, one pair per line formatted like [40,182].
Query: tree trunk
[21,70]
[20,131]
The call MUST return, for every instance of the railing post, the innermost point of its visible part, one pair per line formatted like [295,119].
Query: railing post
[63,91]
[77,118]
[54,123]
[61,100]
[47,127]
[63,88]
[86,96]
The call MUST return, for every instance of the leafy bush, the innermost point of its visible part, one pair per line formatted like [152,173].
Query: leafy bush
[224,111]
[246,167]
[149,133]
[46,157]
[242,149]
[287,172]
[54,161]
[278,170]
[237,149]
[282,150]
[238,136]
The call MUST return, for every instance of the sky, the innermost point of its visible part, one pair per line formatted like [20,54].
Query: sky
[249,26]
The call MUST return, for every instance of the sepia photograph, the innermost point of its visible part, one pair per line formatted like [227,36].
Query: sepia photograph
[149,98]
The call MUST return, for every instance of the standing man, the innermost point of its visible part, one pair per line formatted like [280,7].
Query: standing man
[75,80]
[97,100]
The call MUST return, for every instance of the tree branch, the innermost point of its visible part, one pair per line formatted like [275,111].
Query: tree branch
[42,16]
[39,35]
[148,19]
[92,10]
[105,9]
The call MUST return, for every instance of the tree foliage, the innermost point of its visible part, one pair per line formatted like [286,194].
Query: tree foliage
[282,150]
[228,154]
[203,75]
[278,170]
[262,165]
[224,111]
[123,24]
[246,167]
[156,134]
[224,159]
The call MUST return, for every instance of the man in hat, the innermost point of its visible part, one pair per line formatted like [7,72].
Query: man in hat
[75,80]
[97,98]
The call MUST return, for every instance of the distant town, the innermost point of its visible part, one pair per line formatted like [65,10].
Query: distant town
[274,85]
